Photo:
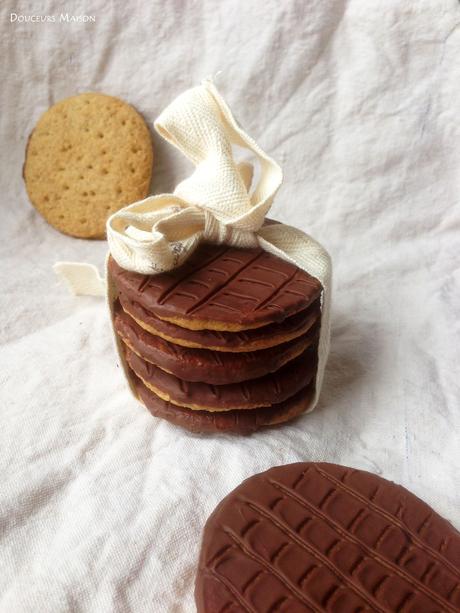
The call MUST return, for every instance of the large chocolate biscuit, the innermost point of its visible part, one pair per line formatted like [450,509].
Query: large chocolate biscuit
[321,537]
[222,288]
[215,367]
[264,391]
[244,340]
[231,422]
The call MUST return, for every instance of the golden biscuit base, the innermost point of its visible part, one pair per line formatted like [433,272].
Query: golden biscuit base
[204,324]
[88,156]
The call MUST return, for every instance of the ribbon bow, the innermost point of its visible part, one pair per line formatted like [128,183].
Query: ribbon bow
[213,204]
[216,203]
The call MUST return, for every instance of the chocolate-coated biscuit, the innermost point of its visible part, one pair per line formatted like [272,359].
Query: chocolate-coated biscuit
[215,367]
[244,340]
[246,395]
[222,288]
[321,537]
[231,422]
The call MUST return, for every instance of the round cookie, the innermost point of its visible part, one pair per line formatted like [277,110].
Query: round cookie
[227,422]
[203,364]
[246,395]
[222,288]
[321,537]
[246,340]
[88,156]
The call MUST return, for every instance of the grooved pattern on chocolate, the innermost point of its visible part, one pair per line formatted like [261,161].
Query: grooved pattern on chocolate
[244,340]
[321,537]
[231,422]
[214,367]
[248,287]
[264,391]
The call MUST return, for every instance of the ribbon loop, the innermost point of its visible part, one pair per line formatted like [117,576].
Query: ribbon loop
[213,204]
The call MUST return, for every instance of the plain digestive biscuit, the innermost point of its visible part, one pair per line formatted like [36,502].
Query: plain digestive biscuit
[87,157]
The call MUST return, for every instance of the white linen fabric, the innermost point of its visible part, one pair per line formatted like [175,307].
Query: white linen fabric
[101,505]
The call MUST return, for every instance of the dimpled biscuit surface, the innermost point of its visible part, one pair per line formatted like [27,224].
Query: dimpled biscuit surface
[88,156]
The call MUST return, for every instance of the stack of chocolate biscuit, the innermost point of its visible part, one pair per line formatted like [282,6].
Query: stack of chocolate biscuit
[226,342]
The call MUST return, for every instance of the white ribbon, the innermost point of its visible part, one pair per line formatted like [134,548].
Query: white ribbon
[216,204]
[213,204]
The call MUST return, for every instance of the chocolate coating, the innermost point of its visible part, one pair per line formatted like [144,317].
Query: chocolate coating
[244,340]
[321,537]
[230,422]
[220,285]
[215,367]
[264,391]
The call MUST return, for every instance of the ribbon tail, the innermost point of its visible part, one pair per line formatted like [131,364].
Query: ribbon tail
[82,279]
[301,249]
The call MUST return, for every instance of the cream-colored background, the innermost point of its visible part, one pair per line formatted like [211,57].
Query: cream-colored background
[101,506]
